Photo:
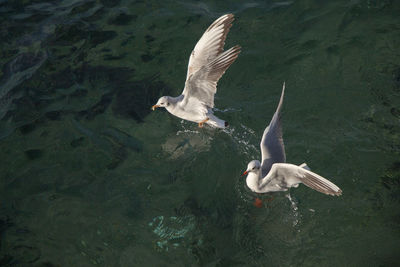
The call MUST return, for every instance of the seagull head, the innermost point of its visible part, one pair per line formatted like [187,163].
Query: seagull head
[162,102]
[253,166]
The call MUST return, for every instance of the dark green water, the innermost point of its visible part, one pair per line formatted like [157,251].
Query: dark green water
[90,176]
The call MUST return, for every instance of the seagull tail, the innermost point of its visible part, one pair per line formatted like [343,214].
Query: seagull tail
[216,122]
[305,166]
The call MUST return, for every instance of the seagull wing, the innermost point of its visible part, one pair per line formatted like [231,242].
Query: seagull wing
[272,147]
[283,176]
[210,45]
[202,85]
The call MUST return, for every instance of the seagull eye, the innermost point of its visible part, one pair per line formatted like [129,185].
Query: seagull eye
[253,168]
[161,103]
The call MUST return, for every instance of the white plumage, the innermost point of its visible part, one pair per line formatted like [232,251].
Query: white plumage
[273,174]
[207,63]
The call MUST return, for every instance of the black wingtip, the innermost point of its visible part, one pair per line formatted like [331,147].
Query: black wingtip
[226,124]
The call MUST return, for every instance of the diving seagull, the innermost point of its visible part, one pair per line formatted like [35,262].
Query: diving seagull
[273,174]
[207,63]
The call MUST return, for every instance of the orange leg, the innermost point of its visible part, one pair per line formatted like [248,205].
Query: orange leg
[201,124]
[258,203]
[270,199]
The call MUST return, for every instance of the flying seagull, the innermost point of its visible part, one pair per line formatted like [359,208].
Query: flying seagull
[273,174]
[207,63]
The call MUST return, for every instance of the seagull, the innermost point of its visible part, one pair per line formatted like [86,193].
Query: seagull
[272,174]
[207,63]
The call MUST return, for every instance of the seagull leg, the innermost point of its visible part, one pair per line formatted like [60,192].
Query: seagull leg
[258,203]
[201,124]
[270,199]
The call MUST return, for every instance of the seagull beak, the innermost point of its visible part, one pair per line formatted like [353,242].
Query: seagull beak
[154,107]
[246,172]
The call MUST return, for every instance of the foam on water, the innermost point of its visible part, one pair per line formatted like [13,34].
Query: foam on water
[172,231]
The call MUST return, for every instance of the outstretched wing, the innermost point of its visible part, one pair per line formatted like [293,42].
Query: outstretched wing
[202,85]
[283,176]
[210,45]
[272,147]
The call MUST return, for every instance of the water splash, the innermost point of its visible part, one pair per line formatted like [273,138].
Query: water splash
[242,138]
[226,110]
[185,130]
[295,209]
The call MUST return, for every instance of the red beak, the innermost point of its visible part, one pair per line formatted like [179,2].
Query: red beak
[244,173]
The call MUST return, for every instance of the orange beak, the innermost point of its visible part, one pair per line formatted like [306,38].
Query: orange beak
[154,107]
[246,172]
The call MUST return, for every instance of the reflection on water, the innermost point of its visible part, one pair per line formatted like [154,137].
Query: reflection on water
[90,176]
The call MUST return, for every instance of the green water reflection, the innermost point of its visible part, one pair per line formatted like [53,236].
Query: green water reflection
[89,176]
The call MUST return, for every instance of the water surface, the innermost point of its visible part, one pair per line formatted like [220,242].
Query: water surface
[90,176]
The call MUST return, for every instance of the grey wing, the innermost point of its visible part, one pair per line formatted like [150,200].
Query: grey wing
[202,85]
[284,176]
[210,45]
[272,147]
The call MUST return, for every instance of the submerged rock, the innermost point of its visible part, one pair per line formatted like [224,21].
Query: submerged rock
[123,138]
